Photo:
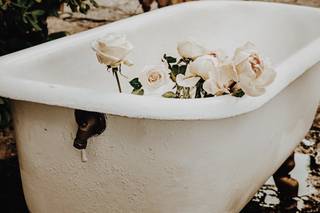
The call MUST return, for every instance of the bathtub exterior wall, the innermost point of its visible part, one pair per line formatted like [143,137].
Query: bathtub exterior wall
[158,166]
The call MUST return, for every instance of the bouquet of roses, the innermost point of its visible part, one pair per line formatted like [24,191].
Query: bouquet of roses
[196,73]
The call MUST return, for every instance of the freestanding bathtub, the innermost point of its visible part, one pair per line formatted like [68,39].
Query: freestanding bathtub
[162,155]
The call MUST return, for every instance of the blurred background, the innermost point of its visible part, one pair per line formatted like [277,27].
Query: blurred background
[25,23]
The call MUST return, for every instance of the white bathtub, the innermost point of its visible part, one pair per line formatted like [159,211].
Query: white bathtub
[162,155]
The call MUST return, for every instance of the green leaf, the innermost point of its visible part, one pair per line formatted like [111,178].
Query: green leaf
[175,70]
[33,21]
[37,13]
[169,95]
[173,78]
[135,83]
[238,93]
[138,91]
[24,19]
[182,69]
[170,59]
[2,5]
[199,89]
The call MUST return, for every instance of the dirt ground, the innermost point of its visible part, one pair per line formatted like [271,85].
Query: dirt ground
[111,10]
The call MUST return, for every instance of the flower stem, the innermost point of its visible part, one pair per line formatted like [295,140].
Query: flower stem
[187,93]
[118,82]
[115,71]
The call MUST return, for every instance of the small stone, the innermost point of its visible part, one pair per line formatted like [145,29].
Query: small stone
[317,157]
[308,142]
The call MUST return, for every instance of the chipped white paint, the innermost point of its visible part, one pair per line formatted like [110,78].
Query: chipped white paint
[211,156]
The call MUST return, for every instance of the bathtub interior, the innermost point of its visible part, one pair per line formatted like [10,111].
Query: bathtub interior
[278,31]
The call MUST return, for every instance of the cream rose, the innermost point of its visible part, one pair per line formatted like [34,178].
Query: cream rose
[190,49]
[251,71]
[112,49]
[187,81]
[219,81]
[154,77]
[202,66]
[199,68]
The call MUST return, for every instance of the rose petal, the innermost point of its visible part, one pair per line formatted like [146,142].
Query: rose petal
[147,71]
[106,59]
[190,49]
[266,78]
[226,74]
[248,86]
[128,63]
[242,53]
[202,66]
[210,86]
[186,81]
[112,49]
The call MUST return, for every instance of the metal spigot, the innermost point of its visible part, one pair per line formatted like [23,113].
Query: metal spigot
[89,124]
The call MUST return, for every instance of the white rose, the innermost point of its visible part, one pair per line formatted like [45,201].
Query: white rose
[112,49]
[252,72]
[220,55]
[190,49]
[187,81]
[219,80]
[153,78]
[199,68]
[202,66]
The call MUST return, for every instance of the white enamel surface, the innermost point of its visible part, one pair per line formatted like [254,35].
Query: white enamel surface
[151,166]
[63,72]
[198,156]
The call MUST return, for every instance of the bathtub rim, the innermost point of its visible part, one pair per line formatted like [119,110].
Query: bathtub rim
[154,107]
